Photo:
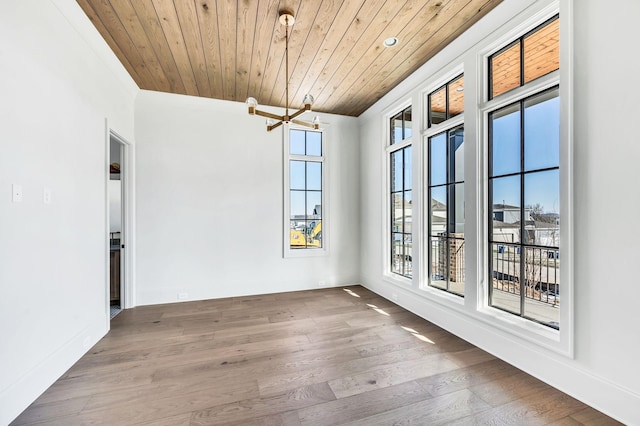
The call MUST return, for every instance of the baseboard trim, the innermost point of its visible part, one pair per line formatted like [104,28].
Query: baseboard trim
[16,397]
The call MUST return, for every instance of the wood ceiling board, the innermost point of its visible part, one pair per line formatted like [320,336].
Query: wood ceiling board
[460,19]
[317,32]
[95,20]
[128,17]
[246,24]
[190,28]
[345,18]
[298,35]
[349,42]
[389,21]
[170,24]
[264,33]
[232,49]
[417,27]
[227,26]
[151,25]
[208,23]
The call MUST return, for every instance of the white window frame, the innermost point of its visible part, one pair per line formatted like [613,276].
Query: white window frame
[428,132]
[288,252]
[559,341]
[389,148]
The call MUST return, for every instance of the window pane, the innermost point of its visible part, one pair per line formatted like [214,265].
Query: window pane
[296,142]
[505,210]
[397,212]
[296,174]
[407,212]
[456,194]
[505,70]
[456,97]
[407,167]
[314,175]
[397,253]
[438,106]
[407,259]
[297,237]
[438,159]
[314,204]
[314,143]
[438,262]
[396,171]
[407,123]
[542,286]
[542,51]
[542,131]
[438,210]
[456,266]
[314,234]
[505,272]
[542,211]
[396,129]
[297,200]
[456,154]
[505,141]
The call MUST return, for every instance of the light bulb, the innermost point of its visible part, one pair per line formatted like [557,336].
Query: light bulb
[252,103]
[316,122]
[308,101]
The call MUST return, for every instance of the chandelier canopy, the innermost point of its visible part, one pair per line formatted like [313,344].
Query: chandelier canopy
[273,120]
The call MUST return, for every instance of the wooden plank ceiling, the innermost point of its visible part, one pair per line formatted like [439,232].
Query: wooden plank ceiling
[233,49]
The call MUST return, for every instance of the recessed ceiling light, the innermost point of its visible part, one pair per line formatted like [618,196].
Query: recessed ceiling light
[390,42]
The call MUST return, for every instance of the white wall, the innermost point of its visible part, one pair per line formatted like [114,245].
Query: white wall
[57,86]
[209,203]
[604,370]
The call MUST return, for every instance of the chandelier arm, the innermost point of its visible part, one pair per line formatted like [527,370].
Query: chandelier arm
[269,115]
[274,126]
[303,123]
[297,113]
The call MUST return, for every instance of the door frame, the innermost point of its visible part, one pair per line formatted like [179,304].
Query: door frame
[127,293]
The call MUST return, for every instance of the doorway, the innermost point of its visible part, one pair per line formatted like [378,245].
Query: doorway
[117,224]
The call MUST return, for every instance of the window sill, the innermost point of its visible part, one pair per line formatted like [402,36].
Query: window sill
[302,253]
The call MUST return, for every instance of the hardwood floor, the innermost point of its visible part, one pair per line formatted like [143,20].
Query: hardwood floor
[321,357]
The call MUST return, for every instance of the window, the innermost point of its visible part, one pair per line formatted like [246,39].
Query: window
[400,194]
[305,177]
[446,211]
[446,102]
[524,181]
[533,55]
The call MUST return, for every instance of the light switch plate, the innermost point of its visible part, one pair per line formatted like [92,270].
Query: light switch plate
[46,195]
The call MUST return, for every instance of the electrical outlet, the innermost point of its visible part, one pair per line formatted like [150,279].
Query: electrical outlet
[394,296]
[183,296]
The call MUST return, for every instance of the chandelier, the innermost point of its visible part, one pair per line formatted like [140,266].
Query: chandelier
[273,120]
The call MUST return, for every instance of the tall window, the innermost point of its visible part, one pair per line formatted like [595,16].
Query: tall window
[524,181]
[445,185]
[400,195]
[305,189]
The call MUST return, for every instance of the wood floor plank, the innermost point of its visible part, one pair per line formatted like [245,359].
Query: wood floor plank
[265,406]
[359,406]
[541,408]
[327,356]
[435,411]
[398,372]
